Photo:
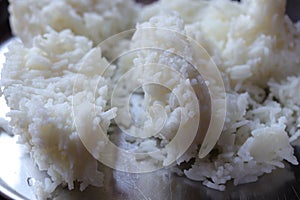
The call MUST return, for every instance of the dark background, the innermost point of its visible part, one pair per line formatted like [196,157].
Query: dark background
[4,24]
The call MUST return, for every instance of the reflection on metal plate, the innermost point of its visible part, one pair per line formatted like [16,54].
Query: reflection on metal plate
[3,108]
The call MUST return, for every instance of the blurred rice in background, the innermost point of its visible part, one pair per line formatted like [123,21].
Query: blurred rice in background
[292,9]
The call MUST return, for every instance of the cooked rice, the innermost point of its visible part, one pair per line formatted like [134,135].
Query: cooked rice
[254,44]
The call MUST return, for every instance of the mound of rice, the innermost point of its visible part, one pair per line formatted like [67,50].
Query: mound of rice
[39,89]
[96,20]
[167,89]
[255,46]
[257,121]
[251,41]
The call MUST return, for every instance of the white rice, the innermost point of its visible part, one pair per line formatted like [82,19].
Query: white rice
[251,41]
[255,46]
[97,20]
[39,90]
